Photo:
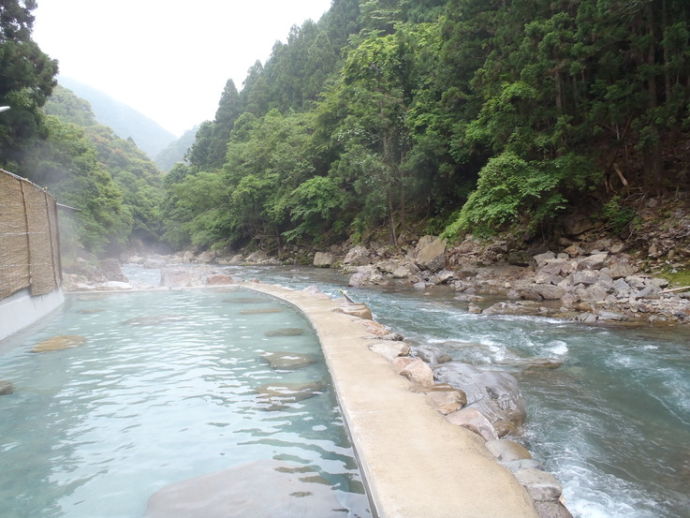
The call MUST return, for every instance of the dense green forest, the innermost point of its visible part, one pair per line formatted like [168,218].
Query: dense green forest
[395,116]
[467,115]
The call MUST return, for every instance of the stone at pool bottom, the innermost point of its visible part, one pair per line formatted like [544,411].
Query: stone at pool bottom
[260,489]
[6,388]
[58,343]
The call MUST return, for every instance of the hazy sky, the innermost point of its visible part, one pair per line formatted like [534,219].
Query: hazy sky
[169,59]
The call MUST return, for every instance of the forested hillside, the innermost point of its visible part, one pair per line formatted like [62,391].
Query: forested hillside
[466,115]
[124,120]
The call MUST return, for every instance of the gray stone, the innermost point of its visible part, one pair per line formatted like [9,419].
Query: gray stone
[390,349]
[619,269]
[6,388]
[542,259]
[541,486]
[430,253]
[355,310]
[550,292]
[593,262]
[357,256]
[517,465]
[551,510]
[495,394]
[447,401]
[364,276]
[594,294]
[430,354]
[260,489]
[506,450]
[323,259]
[473,420]
[414,370]
[635,281]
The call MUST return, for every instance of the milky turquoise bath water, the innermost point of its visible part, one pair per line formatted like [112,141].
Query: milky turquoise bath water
[163,390]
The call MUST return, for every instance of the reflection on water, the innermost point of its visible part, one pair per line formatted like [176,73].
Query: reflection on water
[613,422]
[166,387]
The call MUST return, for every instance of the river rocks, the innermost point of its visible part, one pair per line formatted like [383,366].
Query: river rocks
[365,275]
[276,395]
[430,253]
[446,401]
[288,361]
[323,259]
[218,280]
[357,256]
[506,450]
[389,349]
[285,331]
[517,465]
[593,262]
[260,489]
[430,354]
[414,370]
[475,421]
[552,510]
[541,486]
[355,310]
[493,393]
[58,343]
[260,258]
[6,388]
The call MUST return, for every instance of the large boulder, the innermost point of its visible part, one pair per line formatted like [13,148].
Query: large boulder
[430,253]
[473,420]
[365,275]
[260,489]
[414,370]
[493,393]
[357,256]
[324,259]
[390,349]
[446,400]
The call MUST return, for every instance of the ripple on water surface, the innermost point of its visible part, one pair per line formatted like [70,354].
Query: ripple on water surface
[167,387]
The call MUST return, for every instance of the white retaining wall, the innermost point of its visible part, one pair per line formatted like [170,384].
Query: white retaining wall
[21,310]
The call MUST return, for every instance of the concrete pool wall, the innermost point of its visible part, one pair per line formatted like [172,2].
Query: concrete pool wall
[415,463]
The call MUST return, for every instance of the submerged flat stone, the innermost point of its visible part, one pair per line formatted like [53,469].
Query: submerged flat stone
[260,489]
[275,395]
[58,343]
[287,360]
[153,320]
[285,331]
[6,388]
[260,311]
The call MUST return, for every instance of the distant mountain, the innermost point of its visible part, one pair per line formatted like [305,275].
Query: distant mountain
[124,120]
[175,151]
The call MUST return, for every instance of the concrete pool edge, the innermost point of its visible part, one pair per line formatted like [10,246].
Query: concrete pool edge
[413,461]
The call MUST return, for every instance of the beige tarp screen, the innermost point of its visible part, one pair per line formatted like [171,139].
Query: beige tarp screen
[29,248]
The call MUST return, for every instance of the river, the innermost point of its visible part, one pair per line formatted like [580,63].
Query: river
[612,423]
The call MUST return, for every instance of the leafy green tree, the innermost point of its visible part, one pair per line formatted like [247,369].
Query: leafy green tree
[26,79]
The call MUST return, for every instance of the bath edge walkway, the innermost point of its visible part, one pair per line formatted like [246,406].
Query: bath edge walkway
[415,463]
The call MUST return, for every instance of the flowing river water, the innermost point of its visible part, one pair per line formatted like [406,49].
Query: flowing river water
[613,422]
